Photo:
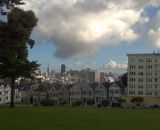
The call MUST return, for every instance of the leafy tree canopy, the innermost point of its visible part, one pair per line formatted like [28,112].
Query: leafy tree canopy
[14,42]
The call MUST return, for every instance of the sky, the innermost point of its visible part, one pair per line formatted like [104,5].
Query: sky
[93,33]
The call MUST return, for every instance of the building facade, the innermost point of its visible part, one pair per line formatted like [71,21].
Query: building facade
[144,77]
[5,94]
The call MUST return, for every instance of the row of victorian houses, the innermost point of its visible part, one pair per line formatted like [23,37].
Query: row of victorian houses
[63,93]
[74,92]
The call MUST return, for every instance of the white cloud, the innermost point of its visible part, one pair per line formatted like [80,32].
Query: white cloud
[82,27]
[154,36]
[154,31]
[114,65]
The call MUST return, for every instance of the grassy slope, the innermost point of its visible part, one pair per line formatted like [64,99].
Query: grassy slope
[78,119]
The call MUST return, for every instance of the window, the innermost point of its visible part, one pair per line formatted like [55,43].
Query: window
[148,80]
[149,67]
[140,60]
[155,93]
[140,67]
[140,92]
[149,73]
[148,93]
[0,93]
[0,99]
[149,86]
[148,60]
[140,73]
[140,86]
[140,80]
[155,86]
[155,79]
[6,98]
[132,92]
[156,60]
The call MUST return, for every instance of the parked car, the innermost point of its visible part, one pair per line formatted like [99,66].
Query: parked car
[154,106]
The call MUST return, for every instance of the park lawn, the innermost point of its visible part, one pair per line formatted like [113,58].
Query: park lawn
[67,118]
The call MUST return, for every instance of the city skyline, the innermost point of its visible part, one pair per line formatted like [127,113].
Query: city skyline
[95,34]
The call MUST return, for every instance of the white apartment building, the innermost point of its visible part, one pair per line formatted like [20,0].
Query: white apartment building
[144,77]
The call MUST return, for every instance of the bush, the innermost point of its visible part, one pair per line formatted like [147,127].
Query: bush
[137,99]
[63,103]
[77,103]
[105,102]
[122,100]
[90,102]
[47,102]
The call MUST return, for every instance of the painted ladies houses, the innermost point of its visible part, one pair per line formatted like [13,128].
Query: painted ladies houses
[5,94]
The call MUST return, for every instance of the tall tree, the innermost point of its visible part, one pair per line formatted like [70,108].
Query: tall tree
[14,41]
[10,3]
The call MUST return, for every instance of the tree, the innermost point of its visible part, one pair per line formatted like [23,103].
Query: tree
[10,3]
[123,79]
[14,41]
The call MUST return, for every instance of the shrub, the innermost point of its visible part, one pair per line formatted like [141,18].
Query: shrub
[47,102]
[105,102]
[90,102]
[77,103]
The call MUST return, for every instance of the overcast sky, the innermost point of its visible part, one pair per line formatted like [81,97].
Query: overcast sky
[94,33]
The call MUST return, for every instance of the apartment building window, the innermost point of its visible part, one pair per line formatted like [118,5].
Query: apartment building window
[149,73]
[148,60]
[155,86]
[132,59]
[149,67]
[0,93]
[6,98]
[132,79]
[140,67]
[156,73]
[132,66]
[0,99]
[140,92]
[156,66]
[140,73]
[148,86]
[6,92]
[132,92]
[155,93]
[148,80]
[155,79]
[140,60]
[140,79]
[156,60]
[132,73]
[140,86]
[131,86]
[148,93]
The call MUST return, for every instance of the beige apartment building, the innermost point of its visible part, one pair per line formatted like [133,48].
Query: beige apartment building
[144,77]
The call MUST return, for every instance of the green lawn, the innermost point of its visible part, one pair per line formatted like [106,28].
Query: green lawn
[63,118]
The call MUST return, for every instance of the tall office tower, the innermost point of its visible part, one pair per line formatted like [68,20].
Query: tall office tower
[144,76]
[94,76]
[63,69]
[48,71]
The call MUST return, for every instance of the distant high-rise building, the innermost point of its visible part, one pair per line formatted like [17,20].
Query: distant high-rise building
[48,71]
[94,76]
[63,68]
